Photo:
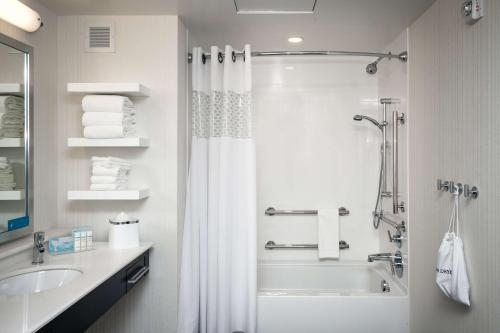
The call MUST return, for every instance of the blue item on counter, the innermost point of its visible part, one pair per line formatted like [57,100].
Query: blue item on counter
[18,223]
[59,245]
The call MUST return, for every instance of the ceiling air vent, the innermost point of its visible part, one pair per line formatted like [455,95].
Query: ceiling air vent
[100,37]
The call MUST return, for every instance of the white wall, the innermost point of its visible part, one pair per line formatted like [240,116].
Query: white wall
[147,52]
[310,152]
[44,42]
[393,83]
[454,98]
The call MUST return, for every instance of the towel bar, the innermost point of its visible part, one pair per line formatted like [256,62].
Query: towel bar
[270,245]
[272,211]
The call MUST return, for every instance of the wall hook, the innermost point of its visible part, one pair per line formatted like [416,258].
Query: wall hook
[471,192]
[457,188]
[443,185]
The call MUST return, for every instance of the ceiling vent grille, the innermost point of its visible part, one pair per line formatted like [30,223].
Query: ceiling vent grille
[100,37]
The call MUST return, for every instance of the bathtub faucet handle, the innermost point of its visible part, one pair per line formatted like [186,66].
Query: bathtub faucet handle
[396,239]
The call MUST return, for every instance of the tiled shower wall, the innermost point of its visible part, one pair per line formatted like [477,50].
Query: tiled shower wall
[310,152]
[393,83]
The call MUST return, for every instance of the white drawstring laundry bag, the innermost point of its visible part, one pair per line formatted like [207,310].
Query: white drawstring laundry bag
[451,272]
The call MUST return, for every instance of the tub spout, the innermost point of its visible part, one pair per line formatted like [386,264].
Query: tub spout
[395,261]
[380,257]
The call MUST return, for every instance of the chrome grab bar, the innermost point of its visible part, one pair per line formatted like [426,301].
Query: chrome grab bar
[272,211]
[270,245]
[396,206]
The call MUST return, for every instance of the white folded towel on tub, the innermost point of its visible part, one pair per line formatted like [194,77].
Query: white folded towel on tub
[108,132]
[107,118]
[107,103]
[328,234]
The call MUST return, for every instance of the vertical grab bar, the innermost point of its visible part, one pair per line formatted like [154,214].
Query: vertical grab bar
[395,185]
[384,150]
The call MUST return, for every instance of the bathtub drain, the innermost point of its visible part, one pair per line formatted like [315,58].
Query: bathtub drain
[384,285]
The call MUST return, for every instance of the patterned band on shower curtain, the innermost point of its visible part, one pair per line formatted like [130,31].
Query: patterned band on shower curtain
[218,287]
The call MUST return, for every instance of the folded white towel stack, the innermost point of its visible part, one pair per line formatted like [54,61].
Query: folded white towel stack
[11,116]
[108,117]
[6,175]
[109,174]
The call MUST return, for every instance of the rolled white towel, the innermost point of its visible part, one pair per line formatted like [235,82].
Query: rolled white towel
[11,133]
[12,102]
[115,171]
[107,180]
[108,187]
[7,179]
[107,118]
[108,132]
[7,187]
[107,103]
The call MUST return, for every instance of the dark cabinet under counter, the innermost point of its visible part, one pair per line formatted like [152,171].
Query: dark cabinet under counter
[81,315]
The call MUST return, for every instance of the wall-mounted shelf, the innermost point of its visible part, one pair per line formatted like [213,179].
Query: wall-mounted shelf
[11,142]
[12,195]
[112,88]
[109,195]
[119,142]
[11,89]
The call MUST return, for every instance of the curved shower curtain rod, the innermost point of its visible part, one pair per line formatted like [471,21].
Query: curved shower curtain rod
[403,56]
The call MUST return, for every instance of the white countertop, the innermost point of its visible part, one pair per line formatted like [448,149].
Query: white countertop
[28,313]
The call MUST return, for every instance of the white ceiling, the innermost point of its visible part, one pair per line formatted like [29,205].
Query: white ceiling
[112,7]
[354,25]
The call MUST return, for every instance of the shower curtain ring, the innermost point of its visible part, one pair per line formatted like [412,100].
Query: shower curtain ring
[233,55]
[203,58]
[220,57]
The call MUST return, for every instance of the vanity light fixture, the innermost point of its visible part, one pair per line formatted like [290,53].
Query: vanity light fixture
[20,15]
[295,39]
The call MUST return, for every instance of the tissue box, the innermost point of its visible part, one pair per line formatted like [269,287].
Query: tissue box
[60,245]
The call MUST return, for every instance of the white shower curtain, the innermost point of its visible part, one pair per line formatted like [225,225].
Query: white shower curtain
[219,256]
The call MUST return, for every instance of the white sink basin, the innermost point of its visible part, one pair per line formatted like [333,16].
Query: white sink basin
[37,279]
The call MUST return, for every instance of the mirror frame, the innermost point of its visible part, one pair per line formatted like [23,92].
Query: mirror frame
[28,137]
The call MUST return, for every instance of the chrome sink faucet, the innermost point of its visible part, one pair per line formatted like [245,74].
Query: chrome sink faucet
[38,247]
[395,260]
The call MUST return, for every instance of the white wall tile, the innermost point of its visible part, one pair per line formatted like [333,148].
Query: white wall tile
[310,152]
[393,83]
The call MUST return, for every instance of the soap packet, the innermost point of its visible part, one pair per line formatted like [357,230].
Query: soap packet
[61,245]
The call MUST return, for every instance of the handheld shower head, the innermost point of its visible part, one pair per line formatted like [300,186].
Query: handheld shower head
[359,117]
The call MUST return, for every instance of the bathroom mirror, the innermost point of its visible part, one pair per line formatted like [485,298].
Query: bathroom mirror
[16,195]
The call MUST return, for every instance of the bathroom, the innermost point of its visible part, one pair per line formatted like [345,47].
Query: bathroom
[221,166]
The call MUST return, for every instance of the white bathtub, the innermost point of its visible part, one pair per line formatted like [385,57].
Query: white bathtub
[329,298]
